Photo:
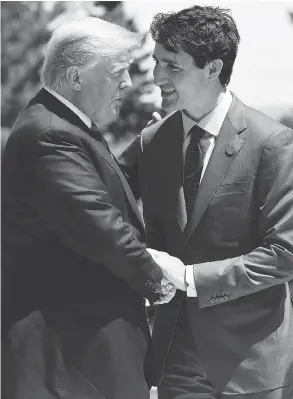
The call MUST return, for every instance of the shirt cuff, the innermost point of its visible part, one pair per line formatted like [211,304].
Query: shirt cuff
[189,279]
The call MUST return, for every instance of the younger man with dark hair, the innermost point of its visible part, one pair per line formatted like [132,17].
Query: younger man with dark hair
[216,181]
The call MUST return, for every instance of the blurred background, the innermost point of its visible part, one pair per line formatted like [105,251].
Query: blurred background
[262,75]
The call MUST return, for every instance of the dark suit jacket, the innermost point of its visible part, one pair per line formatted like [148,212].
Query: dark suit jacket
[75,269]
[240,238]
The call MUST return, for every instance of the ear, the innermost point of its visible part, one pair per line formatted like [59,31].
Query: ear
[214,69]
[73,77]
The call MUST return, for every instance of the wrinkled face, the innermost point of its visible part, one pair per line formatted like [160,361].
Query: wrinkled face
[182,84]
[103,89]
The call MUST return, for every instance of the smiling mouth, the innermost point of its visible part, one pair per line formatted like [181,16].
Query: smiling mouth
[167,92]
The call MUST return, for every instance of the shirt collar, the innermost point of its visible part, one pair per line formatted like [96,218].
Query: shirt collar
[85,119]
[213,121]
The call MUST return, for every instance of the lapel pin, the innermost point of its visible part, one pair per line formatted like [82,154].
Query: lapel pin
[230,150]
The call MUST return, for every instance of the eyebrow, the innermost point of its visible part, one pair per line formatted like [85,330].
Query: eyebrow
[166,60]
[115,68]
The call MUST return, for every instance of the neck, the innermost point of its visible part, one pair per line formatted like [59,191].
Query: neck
[74,97]
[66,94]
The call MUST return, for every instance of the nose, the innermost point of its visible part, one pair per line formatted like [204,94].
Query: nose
[126,82]
[160,76]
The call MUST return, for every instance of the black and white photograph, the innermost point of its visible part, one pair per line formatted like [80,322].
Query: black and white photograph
[147,199]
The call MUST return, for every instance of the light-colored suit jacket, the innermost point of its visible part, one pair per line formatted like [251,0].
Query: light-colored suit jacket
[240,239]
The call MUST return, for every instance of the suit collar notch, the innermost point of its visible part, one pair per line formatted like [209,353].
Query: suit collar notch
[237,115]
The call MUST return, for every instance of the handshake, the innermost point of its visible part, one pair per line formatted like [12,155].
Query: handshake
[174,274]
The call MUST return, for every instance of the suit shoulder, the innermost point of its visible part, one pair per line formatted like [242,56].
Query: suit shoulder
[149,132]
[263,125]
[34,124]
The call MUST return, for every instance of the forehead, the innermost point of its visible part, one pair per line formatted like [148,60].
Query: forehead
[161,54]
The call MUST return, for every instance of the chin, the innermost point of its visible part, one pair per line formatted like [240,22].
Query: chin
[169,106]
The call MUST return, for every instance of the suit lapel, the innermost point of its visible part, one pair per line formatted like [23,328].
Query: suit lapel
[228,144]
[172,170]
[60,109]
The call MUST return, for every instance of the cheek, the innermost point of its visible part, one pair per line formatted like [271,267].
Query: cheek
[176,78]
[193,90]
[102,97]
[96,97]
[87,100]
[91,92]
[186,89]
[114,89]
[182,82]
[110,86]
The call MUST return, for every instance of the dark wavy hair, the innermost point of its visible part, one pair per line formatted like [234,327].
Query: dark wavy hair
[205,33]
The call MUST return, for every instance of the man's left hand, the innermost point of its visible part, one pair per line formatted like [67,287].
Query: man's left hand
[172,267]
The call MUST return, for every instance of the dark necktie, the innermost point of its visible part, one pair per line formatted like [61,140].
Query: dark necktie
[98,135]
[192,167]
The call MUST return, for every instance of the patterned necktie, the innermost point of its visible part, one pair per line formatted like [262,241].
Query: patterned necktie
[97,134]
[192,167]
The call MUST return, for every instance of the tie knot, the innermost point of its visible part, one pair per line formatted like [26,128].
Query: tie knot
[196,134]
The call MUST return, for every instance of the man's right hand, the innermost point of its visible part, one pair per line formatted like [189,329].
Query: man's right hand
[172,267]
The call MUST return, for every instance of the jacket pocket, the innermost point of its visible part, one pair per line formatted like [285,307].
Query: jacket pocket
[234,188]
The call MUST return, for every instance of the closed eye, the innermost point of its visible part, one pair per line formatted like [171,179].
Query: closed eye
[119,72]
[171,66]
[174,67]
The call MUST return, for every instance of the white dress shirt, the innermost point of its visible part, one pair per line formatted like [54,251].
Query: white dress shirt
[212,124]
[85,119]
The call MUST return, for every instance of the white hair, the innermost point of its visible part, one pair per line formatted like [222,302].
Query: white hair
[83,43]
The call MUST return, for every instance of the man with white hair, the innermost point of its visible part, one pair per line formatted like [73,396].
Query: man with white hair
[75,265]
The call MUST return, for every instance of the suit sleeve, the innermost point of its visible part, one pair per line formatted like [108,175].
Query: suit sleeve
[271,262]
[68,191]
